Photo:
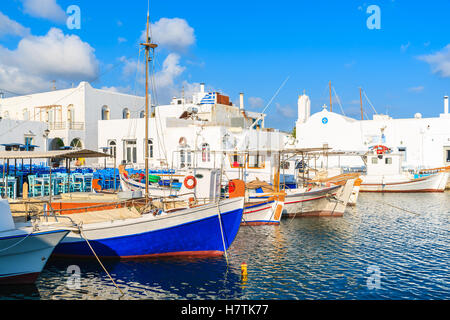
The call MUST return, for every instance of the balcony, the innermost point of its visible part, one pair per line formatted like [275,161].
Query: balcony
[76,125]
[57,125]
[66,125]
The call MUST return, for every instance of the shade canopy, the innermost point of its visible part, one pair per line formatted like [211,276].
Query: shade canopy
[59,154]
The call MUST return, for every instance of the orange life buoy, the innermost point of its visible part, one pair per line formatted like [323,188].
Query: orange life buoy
[186,182]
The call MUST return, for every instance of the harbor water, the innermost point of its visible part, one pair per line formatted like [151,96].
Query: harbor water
[375,251]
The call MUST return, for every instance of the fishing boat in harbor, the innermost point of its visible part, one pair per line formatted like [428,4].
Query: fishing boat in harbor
[206,230]
[25,247]
[384,174]
[266,210]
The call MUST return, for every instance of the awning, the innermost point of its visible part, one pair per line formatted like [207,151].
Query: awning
[60,154]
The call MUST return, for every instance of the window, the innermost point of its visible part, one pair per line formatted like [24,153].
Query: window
[25,114]
[28,142]
[185,157]
[126,114]
[206,156]
[130,151]
[402,150]
[237,160]
[105,113]
[142,114]
[150,148]
[255,162]
[448,156]
[374,160]
[388,160]
[112,148]
[71,114]
[285,165]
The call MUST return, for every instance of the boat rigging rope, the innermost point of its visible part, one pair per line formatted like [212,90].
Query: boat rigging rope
[17,243]
[101,264]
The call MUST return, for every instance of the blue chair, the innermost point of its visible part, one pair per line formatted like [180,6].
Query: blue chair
[34,188]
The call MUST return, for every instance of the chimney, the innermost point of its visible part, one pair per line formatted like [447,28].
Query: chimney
[446,105]
[202,87]
[241,101]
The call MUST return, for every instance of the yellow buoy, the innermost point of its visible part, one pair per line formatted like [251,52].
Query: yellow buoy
[244,270]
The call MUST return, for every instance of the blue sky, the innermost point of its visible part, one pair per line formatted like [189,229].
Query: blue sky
[239,46]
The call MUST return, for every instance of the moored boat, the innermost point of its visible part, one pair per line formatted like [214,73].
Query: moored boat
[206,230]
[384,174]
[24,248]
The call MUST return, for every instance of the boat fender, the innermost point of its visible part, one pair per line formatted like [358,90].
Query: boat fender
[190,182]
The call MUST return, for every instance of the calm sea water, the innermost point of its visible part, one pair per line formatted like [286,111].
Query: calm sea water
[375,251]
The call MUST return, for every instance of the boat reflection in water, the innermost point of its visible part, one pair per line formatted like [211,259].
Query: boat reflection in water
[162,278]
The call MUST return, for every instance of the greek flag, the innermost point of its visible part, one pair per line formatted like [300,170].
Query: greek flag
[209,98]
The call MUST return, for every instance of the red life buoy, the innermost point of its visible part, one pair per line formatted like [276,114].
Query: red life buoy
[231,187]
[190,185]
[380,149]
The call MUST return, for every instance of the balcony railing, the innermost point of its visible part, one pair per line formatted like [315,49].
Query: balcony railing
[76,125]
[57,125]
[64,125]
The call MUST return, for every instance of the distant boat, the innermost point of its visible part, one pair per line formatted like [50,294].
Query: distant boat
[384,174]
[206,230]
[24,249]
[316,201]
[267,211]
[325,201]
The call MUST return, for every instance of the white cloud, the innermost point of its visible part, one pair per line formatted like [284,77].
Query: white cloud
[174,34]
[416,89]
[121,40]
[117,89]
[39,59]
[405,47]
[255,103]
[285,111]
[171,69]
[46,9]
[11,27]
[439,61]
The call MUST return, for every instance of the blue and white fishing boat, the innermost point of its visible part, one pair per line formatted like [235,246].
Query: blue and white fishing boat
[206,230]
[24,248]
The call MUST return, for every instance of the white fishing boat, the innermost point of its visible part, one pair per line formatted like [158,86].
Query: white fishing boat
[315,201]
[384,174]
[264,211]
[319,201]
[24,248]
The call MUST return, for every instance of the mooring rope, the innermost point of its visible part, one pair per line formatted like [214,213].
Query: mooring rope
[98,259]
[221,231]
[391,205]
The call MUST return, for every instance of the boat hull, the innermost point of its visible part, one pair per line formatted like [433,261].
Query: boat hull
[188,232]
[432,183]
[320,202]
[262,213]
[27,255]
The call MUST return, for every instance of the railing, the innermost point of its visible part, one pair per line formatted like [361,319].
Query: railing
[62,125]
[76,125]
[57,125]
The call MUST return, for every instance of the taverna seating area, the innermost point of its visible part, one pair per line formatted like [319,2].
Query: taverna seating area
[38,179]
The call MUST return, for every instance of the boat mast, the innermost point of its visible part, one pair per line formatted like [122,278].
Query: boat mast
[147,45]
[331,104]
[360,101]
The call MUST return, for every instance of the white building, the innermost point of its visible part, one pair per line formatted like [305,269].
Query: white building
[23,132]
[72,114]
[424,142]
[190,133]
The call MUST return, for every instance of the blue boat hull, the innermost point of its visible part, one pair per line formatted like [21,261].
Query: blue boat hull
[200,237]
